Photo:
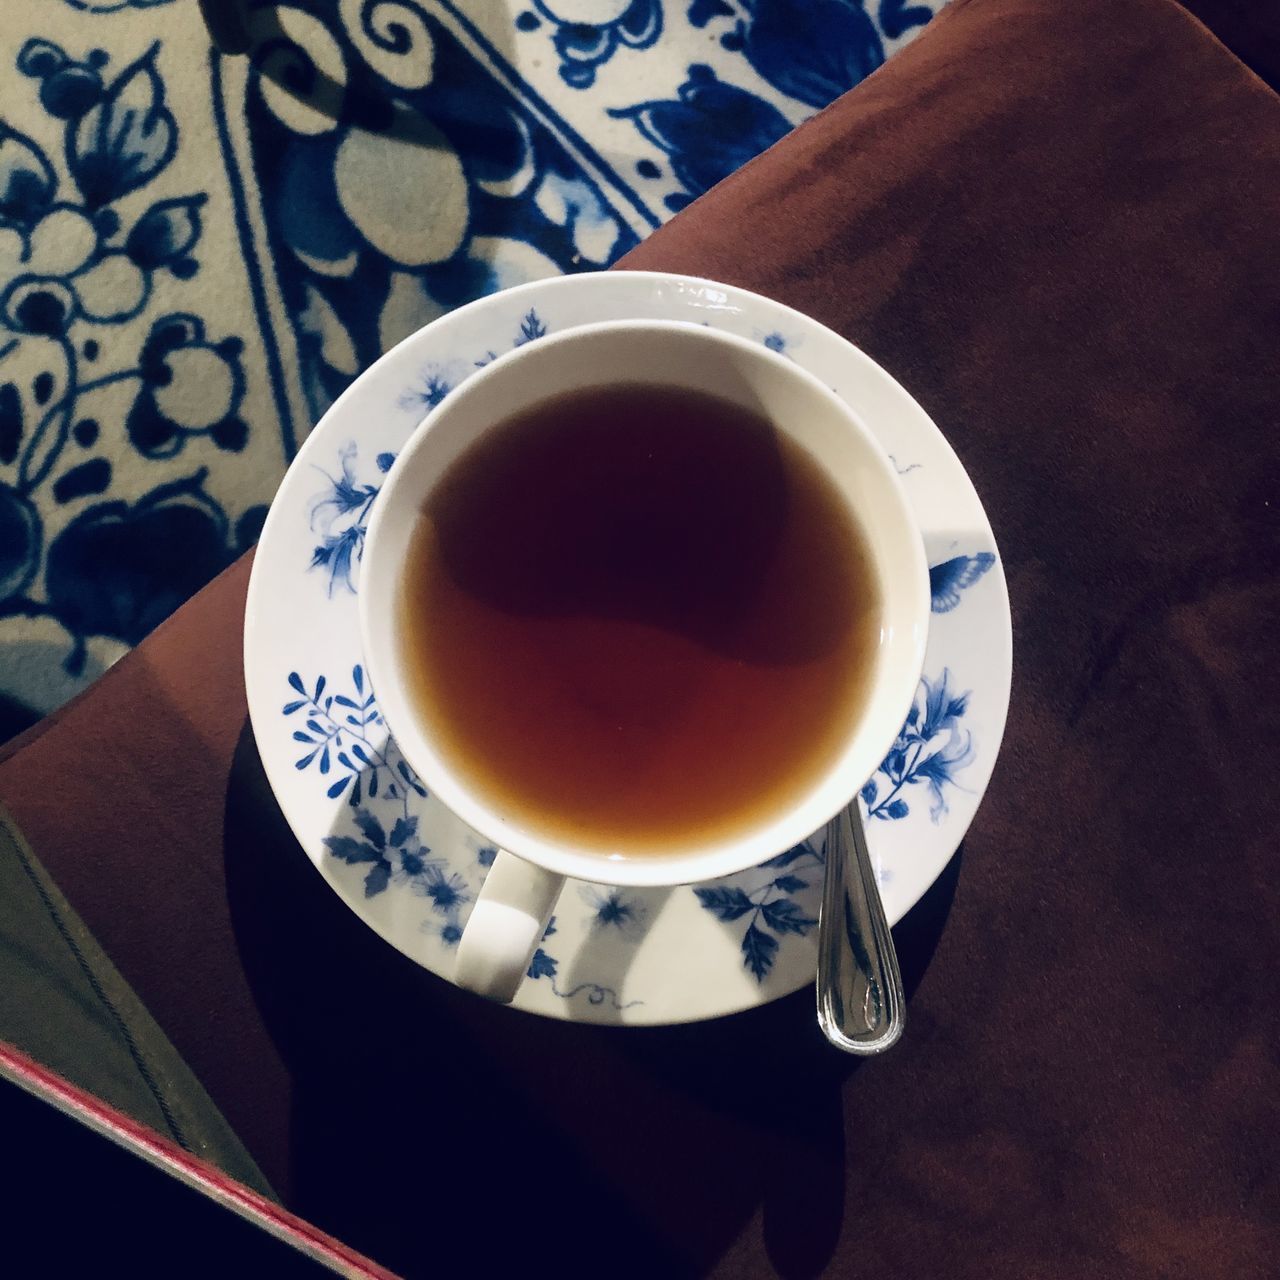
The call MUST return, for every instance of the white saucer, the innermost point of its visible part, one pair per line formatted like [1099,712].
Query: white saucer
[411,870]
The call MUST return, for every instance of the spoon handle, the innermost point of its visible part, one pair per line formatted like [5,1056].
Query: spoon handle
[860,998]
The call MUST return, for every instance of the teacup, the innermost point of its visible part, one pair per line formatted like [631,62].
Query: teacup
[511,913]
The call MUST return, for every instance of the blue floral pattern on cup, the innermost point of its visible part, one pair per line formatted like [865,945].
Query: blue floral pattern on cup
[931,748]
[341,738]
[743,940]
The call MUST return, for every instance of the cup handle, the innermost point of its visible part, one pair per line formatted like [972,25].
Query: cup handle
[506,925]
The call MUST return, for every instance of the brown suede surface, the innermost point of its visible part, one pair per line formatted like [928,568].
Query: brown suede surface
[1059,226]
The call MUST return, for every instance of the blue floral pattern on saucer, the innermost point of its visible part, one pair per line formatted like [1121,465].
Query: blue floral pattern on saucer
[412,870]
[341,513]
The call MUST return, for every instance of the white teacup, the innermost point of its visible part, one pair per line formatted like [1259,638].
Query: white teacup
[525,880]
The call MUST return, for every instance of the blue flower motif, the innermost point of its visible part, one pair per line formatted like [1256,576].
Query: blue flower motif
[335,741]
[450,932]
[811,50]
[936,710]
[931,747]
[27,180]
[126,137]
[190,387]
[165,233]
[583,45]
[532,327]
[613,908]
[337,735]
[67,88]
[447,891]
[340,515]
[414,866]
[709,130]
[432,392]
[347,495]
[59,271]
[119,569]
[115,568]
[369,848]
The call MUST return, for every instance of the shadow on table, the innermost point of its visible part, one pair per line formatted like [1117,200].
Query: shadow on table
[427,1124]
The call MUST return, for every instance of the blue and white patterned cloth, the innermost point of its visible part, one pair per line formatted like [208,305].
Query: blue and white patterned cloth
[198,252]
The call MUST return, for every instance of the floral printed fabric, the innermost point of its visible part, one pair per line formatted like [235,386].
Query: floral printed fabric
[199,251]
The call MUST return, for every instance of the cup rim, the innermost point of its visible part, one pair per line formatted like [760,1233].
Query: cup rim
[819,803]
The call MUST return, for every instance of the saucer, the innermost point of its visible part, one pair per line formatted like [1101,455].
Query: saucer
[411,870]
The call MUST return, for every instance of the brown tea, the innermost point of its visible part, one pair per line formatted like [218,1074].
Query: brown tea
[638,619]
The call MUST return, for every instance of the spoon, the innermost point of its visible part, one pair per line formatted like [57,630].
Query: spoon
[860,997]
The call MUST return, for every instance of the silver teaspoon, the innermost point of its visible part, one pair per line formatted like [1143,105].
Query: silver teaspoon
[861,1006]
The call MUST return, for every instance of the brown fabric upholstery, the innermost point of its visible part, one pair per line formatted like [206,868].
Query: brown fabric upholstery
[1057,225]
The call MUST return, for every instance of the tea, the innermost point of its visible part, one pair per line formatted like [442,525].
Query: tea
[638,619]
